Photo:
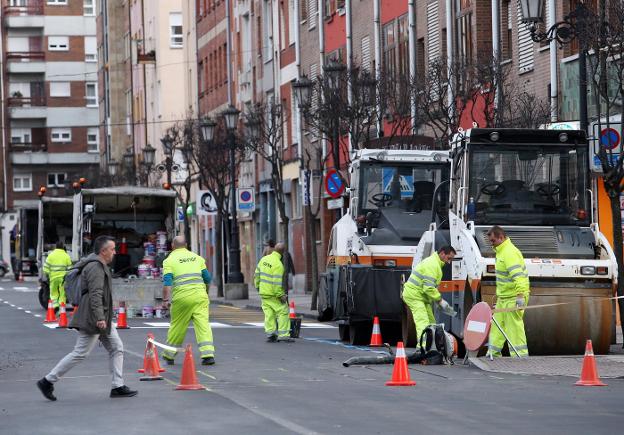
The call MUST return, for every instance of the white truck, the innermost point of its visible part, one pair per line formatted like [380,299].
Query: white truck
[535,184]
[393,197]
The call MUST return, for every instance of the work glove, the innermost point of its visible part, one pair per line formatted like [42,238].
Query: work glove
[446,308]
[284,299]
[519,301]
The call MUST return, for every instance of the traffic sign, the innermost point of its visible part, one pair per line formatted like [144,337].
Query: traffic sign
[334,186]
[245,199]
[477,326]
[334,204]
[609,138]
[206,203]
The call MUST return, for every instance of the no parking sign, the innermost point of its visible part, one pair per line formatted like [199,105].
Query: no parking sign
[245,199]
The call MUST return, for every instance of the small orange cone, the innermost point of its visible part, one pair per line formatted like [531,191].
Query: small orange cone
[189,377]
[62,316]
[400,374]
[50,316]
[150,364]
[122,320]
[291,311]
[160,369]
[376,335]
[589,373]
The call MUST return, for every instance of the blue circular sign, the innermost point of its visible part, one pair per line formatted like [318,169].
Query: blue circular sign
[609,138]
[334,185]
[245,196]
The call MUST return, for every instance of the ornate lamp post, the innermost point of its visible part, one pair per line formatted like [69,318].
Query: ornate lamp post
[128,159]
[573,26]
[230,116]
[207,126]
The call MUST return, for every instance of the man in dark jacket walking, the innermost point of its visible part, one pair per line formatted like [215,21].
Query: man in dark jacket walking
[94,322]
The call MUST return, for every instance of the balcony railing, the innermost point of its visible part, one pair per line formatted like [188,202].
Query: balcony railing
[31,8]
[25,56]
[39,100]
[22,147]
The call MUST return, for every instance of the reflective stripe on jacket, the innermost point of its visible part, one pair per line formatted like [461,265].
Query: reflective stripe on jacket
[423,283]
[269,274]
[512,277]
[57,263]
[186,269]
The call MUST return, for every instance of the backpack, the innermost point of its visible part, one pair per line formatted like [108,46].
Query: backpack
[72,282]
[439,346]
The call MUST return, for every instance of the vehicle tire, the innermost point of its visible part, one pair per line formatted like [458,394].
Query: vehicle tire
[2,272]
[343,332]
[360,333]
[44,295]
[408,328]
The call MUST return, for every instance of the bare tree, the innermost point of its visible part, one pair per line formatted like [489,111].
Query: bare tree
[603,36]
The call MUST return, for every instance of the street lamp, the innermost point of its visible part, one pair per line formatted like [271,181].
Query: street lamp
[113,167]
[208,127]
[366,84]
[167,143]
[149,154]
[564,32]
[334,69]
[235,276]
[303,91]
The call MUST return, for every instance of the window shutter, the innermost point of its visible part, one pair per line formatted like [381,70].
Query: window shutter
[433,31]
[525,46]
[366,53]
[312,15]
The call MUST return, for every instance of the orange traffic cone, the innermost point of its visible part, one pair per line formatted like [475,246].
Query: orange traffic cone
[376,335]
[122,320]
[160,369]
[150,364]
[62,316]
[589,373]
[50,316]
[291,311]
[189,377]
[400,374]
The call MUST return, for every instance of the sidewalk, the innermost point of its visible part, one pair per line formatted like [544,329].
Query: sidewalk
[302,302]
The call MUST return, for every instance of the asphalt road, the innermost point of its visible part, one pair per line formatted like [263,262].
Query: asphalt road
[263,388]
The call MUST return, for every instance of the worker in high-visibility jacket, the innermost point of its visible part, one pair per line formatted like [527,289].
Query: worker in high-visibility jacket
[268,279]
[420,291]
[512,291]
[186,280]
[55,268]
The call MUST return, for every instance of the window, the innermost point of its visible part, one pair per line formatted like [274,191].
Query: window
[58,43]
[90,44]
[403,50]
[57,2]
[92,140]
[60,89]
[89,7]
[91,94]
[61,135]
[22,182]
[507,15]
[56,179]
[175,25]
[303,9]
[20,135]
[465,37]
[127,49]
[389,50]
[292,22]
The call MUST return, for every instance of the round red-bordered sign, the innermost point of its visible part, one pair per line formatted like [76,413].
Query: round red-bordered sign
[477,326]
[334,186]
[609,138]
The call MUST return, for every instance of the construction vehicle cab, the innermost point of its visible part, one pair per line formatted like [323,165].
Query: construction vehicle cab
[393,197]
[536,185]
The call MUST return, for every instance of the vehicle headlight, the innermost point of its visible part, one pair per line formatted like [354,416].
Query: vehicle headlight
[588,270]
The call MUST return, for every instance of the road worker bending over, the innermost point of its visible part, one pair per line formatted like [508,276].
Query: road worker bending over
[268,279]
[185,273]
[421,289]
[55,267]
[512,290]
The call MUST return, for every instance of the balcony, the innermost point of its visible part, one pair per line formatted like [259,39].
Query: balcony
[20,147]
[29,15]
[28,62]
[27,107]
[18,101]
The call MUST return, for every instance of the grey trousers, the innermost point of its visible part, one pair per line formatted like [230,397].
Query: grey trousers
[84,345]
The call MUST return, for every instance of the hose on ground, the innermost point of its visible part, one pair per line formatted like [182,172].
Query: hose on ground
[412,358]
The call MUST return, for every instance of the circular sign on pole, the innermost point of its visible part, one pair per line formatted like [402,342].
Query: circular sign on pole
[334,186]
[609,138]
[477,326]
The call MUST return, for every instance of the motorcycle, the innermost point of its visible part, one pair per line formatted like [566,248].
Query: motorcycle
[4,268]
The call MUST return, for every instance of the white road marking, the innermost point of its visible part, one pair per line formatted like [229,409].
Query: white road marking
[1,288]
[27,312]
[19,308]
[256,324]
[50,325]
[12,305]
[26,290]
[37,315]
[21,288]
[167,324]
[317,326]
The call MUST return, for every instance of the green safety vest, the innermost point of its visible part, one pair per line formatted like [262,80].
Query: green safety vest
[186,268]
[512,277]
[423,283]
[269,274]
[56,264]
